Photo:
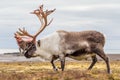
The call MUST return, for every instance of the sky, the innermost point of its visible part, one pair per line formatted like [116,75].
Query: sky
[70,15]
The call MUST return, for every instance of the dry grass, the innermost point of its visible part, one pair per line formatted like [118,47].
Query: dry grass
[43,71]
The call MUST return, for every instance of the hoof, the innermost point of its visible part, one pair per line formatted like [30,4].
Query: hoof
[55,69]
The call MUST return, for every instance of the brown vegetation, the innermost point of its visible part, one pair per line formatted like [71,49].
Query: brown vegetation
[43,71]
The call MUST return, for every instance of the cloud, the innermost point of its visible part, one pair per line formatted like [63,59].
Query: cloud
[90,7]
[103,16]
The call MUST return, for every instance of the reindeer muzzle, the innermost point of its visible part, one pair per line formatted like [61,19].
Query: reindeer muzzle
[29,52]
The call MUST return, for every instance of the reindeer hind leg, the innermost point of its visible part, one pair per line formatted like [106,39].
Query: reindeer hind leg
[94,60]
[101,53]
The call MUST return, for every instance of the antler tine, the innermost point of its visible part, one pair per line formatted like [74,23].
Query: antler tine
[37,11]
[19,33]
[24,32]
[16,34]
[41,8]
[50,22]
[49,12]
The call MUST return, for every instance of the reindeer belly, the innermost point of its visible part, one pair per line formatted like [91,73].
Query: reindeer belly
[80,57]
[80,54]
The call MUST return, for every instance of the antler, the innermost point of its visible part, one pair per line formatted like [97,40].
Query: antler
[42,16]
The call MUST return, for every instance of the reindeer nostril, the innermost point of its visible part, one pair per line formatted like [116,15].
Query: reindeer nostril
[27,55]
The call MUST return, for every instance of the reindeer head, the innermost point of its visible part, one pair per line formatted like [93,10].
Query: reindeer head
[26,41]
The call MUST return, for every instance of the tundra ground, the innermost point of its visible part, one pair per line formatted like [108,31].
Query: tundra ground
[43,71]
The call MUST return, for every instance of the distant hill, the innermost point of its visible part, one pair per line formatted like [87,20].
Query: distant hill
[16,56]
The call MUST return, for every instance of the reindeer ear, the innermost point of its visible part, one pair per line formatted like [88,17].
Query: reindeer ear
[26,38]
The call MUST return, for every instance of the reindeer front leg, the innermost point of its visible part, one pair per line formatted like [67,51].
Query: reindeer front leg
[62,59]
[52,62]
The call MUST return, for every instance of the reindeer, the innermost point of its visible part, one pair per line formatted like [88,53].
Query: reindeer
[61,44]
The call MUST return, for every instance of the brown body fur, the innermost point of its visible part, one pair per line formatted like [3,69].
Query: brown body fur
[75,40]
[75,44]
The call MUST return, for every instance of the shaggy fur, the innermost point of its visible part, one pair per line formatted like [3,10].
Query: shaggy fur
[63,44]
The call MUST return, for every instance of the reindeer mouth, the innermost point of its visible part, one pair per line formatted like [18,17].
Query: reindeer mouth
[29,51]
